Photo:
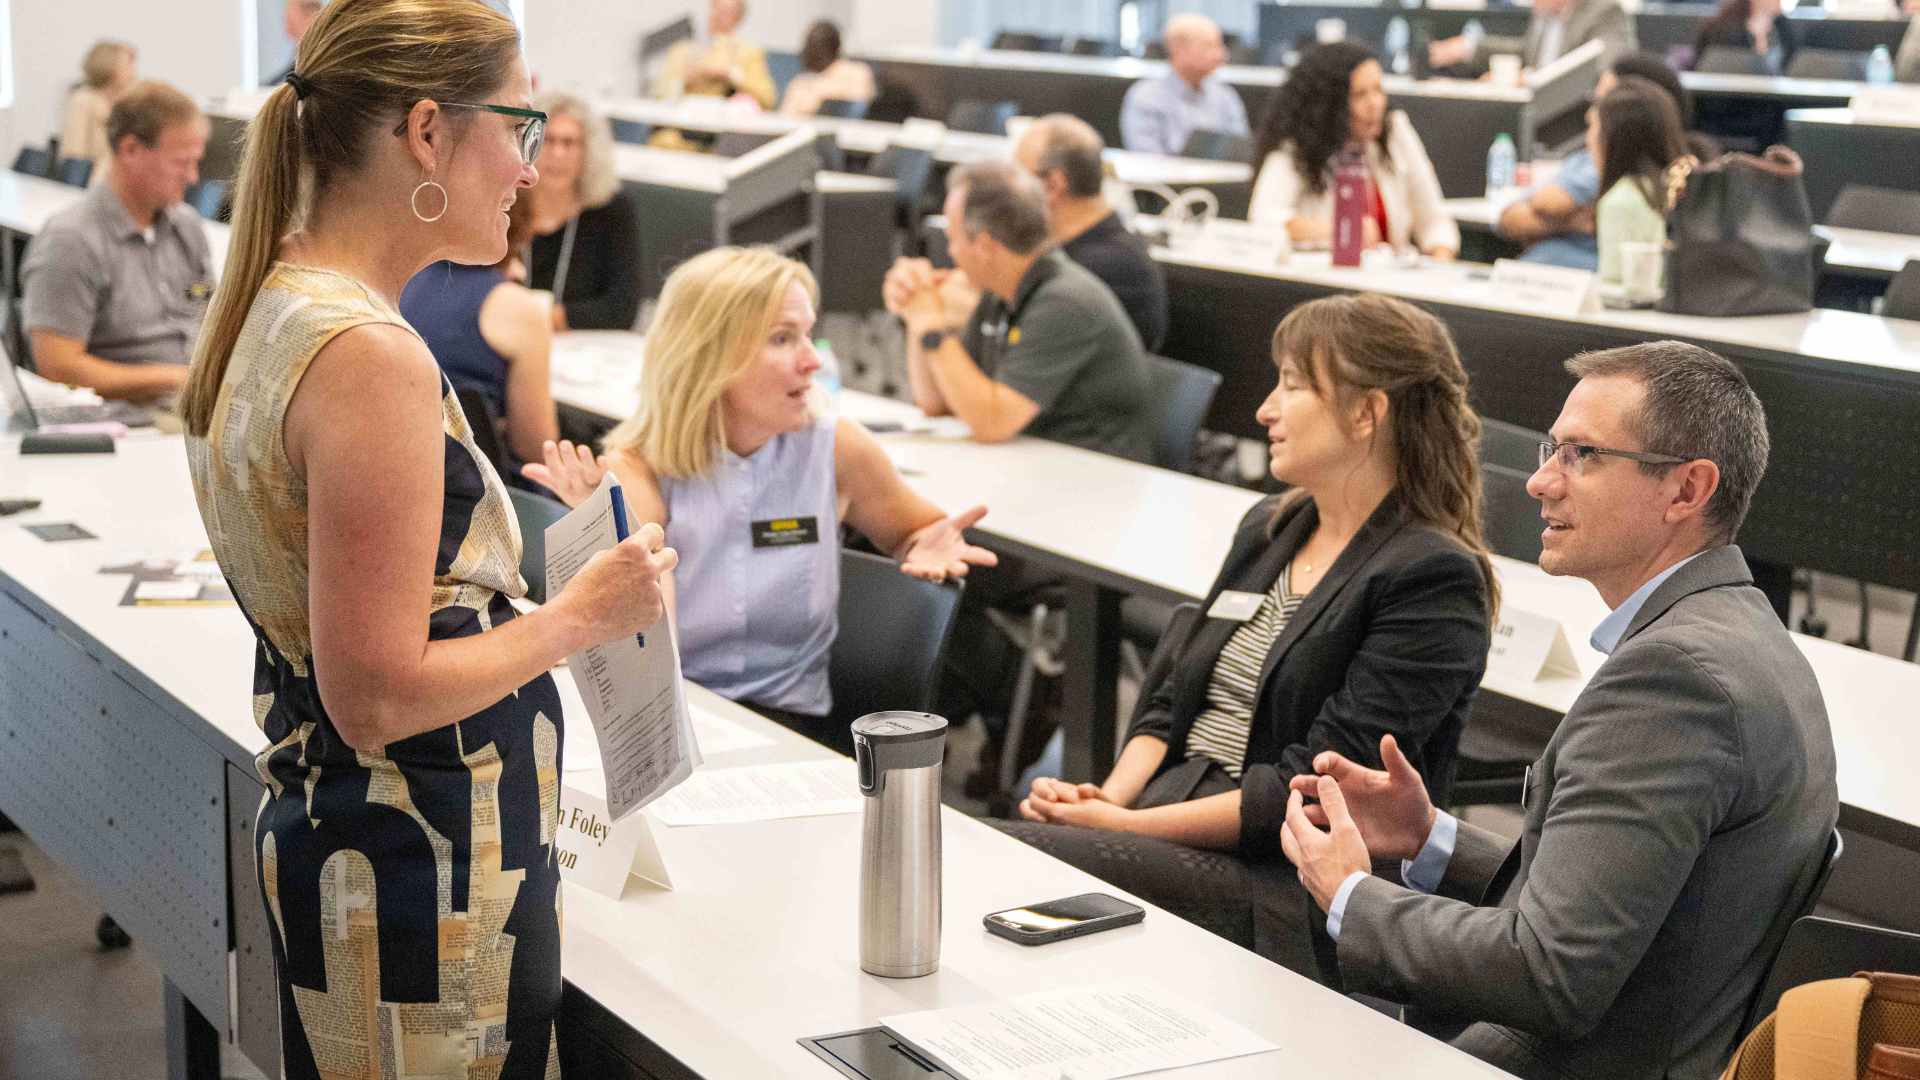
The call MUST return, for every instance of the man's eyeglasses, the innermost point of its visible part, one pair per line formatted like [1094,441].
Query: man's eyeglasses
[532,129]
[1572,456]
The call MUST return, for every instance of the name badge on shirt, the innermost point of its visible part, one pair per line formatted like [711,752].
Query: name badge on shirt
[786,532]
[1237,606]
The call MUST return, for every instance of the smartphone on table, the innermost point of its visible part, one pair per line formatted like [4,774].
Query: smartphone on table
[1055,920]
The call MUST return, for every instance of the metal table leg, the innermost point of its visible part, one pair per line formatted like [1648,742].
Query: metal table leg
[1092,681]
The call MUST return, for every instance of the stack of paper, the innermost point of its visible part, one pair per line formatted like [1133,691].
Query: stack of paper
[762,793]
[1082,1033]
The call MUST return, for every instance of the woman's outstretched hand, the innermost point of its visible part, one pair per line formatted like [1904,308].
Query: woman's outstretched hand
[570,472]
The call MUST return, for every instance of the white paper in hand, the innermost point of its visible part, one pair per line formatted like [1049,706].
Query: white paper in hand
[631,685]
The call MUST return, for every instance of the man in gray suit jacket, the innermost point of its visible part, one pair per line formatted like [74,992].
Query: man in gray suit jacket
[1680,814]
[1556,28]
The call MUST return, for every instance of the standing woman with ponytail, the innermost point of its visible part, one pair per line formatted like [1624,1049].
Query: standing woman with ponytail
[405,840]
[1354,606]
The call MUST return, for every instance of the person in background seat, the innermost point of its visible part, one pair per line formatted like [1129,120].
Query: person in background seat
[116,286]
[1157,115]
[825,75]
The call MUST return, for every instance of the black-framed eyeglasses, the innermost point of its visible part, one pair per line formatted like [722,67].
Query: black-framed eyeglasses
[532,129]
[1572,455]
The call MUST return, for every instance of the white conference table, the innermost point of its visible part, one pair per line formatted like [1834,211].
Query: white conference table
[1864,252]
[1167,533]
[756,946]
[873,136]
[1822,333]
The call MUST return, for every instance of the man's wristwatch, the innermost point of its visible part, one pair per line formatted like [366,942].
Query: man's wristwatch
[932,339]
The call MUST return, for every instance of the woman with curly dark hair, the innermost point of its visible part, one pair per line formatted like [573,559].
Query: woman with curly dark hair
[1332,100]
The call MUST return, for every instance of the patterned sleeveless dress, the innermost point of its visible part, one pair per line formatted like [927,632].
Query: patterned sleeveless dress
[412,890]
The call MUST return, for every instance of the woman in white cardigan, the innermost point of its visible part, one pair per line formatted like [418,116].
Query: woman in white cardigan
[1332,99]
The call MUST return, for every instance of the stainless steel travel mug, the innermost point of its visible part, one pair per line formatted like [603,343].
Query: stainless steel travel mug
[899,754]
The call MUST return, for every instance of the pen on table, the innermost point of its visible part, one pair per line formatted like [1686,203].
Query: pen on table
[620,533]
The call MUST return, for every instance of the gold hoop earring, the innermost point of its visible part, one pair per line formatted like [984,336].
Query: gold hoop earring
[414,202]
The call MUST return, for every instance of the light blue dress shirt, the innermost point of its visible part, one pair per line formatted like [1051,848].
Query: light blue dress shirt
[1426,870]
[1157,115]
[1579,177]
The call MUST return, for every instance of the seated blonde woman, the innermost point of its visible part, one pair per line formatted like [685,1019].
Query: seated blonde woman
[730,436]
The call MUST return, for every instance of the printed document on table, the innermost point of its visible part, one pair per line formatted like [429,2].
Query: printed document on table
[762,792]
[631,685]
[1096,1032]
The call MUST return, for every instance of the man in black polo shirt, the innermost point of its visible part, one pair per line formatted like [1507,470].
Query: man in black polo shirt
[1048,351]
[1064,152]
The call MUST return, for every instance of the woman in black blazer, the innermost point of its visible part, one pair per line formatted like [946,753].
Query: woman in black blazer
[1355,605]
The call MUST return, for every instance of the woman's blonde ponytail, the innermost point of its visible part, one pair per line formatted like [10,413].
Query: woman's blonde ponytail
[264,201]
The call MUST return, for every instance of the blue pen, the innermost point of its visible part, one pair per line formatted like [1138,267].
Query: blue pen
[620,533]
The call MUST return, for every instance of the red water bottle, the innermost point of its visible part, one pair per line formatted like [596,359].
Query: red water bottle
[1349,207]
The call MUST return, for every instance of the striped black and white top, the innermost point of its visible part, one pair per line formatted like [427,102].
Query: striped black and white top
[1220,731]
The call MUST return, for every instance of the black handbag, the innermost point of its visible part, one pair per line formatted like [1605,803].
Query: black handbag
[1740,235]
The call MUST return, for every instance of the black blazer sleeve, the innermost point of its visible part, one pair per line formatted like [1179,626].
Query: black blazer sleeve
[1425,646]
[603,289]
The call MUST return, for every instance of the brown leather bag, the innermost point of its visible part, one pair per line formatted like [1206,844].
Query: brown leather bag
[1863,1028]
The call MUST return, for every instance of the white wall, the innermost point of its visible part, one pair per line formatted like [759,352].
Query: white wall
[193,44]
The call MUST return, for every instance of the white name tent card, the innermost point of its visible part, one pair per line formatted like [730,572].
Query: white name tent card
[1898,106]
[1248,245]
[600,853]
[1100,1032]
[631,686]
[1558,291]
[1527,645]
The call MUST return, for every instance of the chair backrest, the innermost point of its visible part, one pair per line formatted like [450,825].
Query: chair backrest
[893,103]
[740,143]
[486,430]
[1882,209]
[841,109]
[1021,41]
[1827,64]
[1511,517]
[630,131]
[893,634]
[33,160]
[1154,50]
[783,66]
[1767,995]
[1510,445]
[1903,293]
[18,345]
[1818,948]
[1729,60]
[911,168]
[1217,146]
[206,196]
[1186,393]
[1166,653]
[535,512]
[982,117]
[74,171]
[1095,47]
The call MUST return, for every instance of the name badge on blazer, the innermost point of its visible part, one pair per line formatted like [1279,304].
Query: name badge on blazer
[786,532]
[1236,606]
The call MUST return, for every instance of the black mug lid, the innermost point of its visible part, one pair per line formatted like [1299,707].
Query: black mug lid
[899,727]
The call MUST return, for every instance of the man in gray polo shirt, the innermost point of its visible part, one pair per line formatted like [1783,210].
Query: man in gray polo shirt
[116,286]
[1047,352]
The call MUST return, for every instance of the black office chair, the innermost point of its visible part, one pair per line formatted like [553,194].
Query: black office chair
[1728,60]
[206,198]
[838,109]
[1095,47]
[74,171]
[911,168]
[982,117]
[1792,963]
[535,512]
[630,131]
[1827,64]
[486,429]
[732,144]
[1818,949]
[33,161]
[1218,146]
[1882,209]
[1154,50]
[1186,393]
[1512,516]
[1021,41]
[893,635]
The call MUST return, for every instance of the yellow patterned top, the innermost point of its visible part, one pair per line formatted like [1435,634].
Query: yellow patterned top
[255,506]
